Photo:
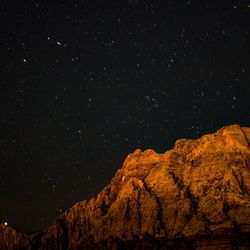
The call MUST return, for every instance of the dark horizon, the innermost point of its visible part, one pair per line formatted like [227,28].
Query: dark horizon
[84,83]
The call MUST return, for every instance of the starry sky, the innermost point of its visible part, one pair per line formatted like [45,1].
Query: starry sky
[84,83]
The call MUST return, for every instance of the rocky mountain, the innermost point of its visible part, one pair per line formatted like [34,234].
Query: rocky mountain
[195,196]
[9,238]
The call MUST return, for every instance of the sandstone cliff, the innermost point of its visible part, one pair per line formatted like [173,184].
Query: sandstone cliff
[9,238]
[195,196]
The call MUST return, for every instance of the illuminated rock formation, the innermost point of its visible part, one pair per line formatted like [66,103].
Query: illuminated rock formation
[195,196]
[9,238]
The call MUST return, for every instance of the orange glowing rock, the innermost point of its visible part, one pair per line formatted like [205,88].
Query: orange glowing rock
[196,195]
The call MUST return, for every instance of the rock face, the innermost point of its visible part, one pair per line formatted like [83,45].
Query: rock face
[195,196]
[9,238]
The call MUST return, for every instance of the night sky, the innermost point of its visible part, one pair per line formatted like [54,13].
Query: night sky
[84,83]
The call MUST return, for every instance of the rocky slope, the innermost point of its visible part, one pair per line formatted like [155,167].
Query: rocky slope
[9,238]
[195,196]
